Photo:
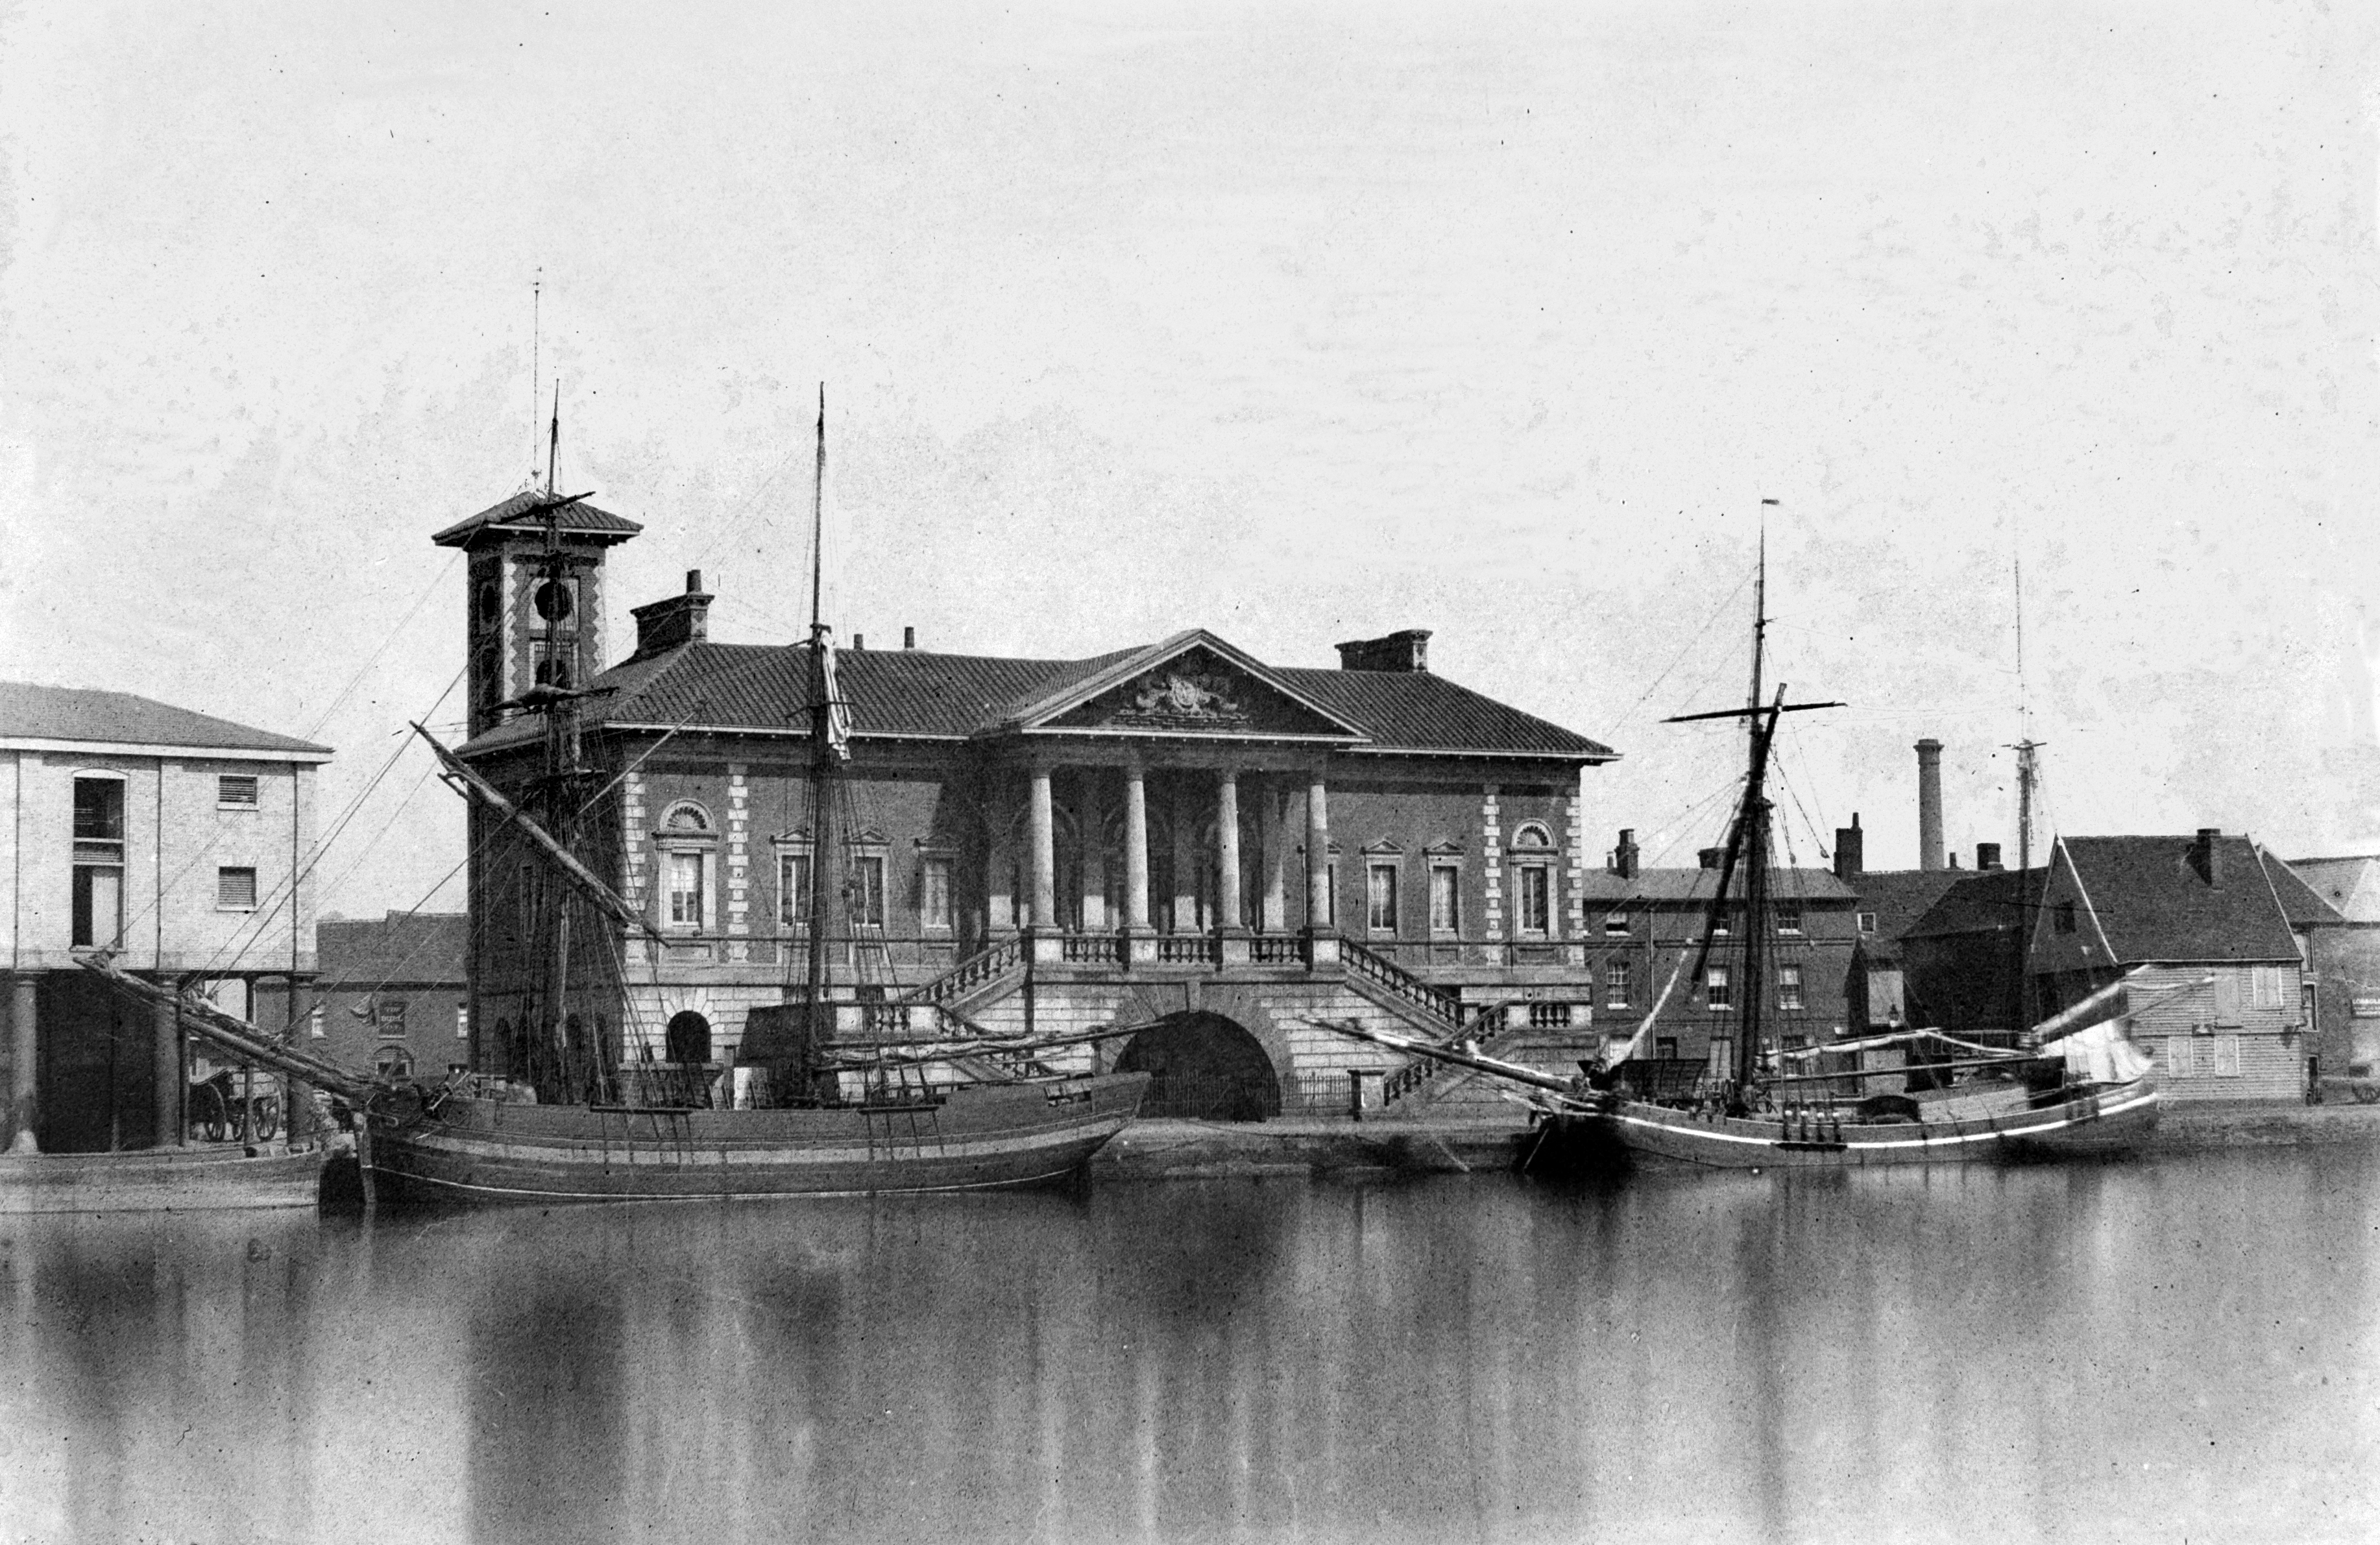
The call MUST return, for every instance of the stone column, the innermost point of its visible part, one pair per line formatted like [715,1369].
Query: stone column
[1322,946]
[1043,823]
[166,1053]
[1140,937]
[24,1051]
[1234,946]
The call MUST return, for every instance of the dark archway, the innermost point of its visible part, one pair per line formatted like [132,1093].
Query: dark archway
[690,1038]
[1203,1067]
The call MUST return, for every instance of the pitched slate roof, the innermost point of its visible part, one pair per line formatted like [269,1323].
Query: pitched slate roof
[521,512]
[365,953]
[2351,884]
[1977,901]
[2305,906]
[30,712]
[1900,898]
[919,693]
[2153,906]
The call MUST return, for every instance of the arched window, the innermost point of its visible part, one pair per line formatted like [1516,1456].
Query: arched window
[686,816]
[393,1062]
[1533,835]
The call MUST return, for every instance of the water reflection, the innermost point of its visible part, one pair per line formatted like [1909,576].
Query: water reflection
[2103,1352]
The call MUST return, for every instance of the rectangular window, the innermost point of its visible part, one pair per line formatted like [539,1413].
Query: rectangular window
[2180,1057]
[1380,897]
[794,889]
[314,1028]
[1537,898]
[1615,984]
[868,891]
[2226,1056]
[2227,995]
[462,1022]
[1445,899]
[389,1018]
[97,905]
[1615,925]
[1789,987]
[684,890]
[236,890]
[1867,922]
[1789,916]
[1715,988]
[934,895]
[1665,1047]
[236,791]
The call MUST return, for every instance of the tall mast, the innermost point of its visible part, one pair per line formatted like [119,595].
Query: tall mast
[2028,773]
[561,761]
[823,889]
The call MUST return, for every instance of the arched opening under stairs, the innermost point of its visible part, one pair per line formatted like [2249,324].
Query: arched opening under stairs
[689,1038]
[1205,1067]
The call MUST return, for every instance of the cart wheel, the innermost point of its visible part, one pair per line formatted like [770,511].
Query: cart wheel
[207,1113]
[268,1118]
[2367,1092]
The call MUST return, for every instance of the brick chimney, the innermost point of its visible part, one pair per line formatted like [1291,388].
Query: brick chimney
[1624,858]
[1850,851]
[2206,855]
[682,619]
[1929,804]
[1987,855]
[1405,653]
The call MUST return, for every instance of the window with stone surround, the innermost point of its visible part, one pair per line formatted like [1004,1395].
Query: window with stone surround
[1445,898]
[1380,897]
[934,894]
[1615,984]
[1716,991]
[1789,987]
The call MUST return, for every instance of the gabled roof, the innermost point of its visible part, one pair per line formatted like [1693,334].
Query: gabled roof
[2352,884]
[2152,904]
[1603,888]
[919,694]
[367,954]
[74,714]
[1898,898]
[523,513]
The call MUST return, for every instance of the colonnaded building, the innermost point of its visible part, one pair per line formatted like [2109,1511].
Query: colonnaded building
[1175,834]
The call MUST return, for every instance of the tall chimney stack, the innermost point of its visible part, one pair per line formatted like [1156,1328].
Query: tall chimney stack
[1624,858]
[1850,851]
[1929,804]
[2206,855]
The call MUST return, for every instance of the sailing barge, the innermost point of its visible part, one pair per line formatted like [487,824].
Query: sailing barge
[2076,1086]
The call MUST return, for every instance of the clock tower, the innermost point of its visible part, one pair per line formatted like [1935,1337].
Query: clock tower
[534,616]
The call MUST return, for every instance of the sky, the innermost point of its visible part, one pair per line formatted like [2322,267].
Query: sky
[1298,323]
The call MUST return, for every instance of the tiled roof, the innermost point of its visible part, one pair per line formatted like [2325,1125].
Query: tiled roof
[521,512]
[917,692]
[2153,906]
[2305,906]
[1898,898]
[30,712]
[1603,888]
[2351,884]
[1985,901]
[365,953]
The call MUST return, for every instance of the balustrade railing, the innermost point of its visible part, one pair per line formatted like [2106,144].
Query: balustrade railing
[1277,949]
[976,970]
[1091,949]
[1437,1002]
[1188,949]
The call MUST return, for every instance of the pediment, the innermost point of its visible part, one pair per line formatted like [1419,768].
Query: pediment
[1203,686]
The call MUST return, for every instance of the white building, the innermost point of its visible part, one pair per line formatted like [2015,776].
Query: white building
[177,838]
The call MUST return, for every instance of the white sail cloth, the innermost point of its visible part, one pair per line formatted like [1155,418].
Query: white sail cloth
[2105,1052]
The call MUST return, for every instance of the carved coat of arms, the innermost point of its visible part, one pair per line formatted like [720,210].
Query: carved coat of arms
[1176,694]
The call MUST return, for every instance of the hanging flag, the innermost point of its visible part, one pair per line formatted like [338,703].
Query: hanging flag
[838,712]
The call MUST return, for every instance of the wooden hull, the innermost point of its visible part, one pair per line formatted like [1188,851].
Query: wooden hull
[2108,1121]
[157,1180]
[480,1151]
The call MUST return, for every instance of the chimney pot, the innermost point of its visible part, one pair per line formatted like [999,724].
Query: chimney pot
[693,581]
[908,637]
[1850,851]
[858,642]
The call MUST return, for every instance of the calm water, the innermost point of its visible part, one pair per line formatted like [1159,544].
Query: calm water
[2182,1348]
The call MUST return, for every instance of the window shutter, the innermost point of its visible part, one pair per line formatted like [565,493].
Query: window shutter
[2226,1056]
[2227,995]
[2178,1057]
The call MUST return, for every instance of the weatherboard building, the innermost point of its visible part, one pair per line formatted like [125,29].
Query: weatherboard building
[1175,834]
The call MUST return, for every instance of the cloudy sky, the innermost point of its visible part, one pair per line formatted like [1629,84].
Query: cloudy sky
[1298,323]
